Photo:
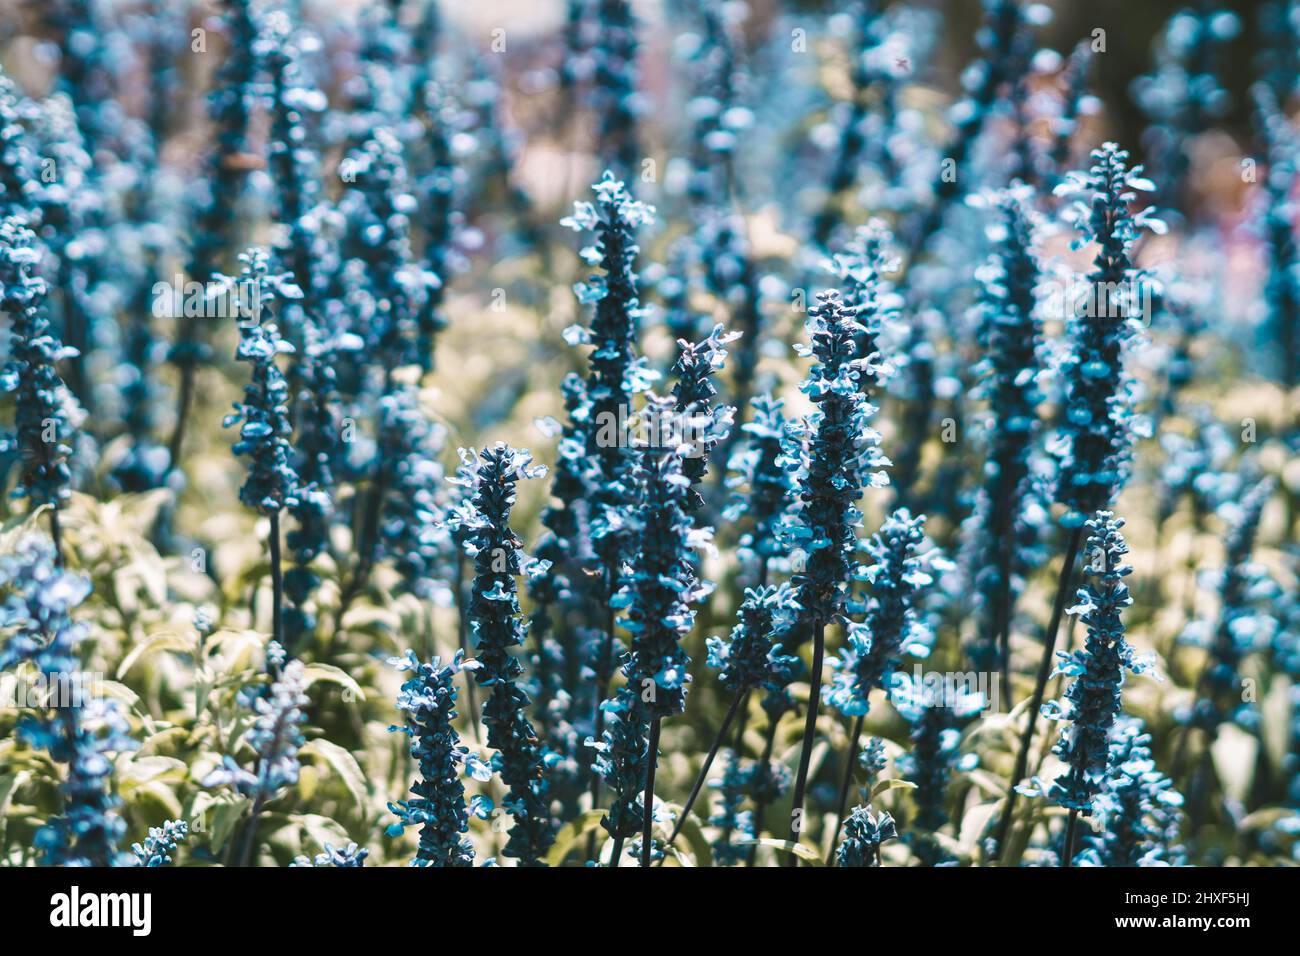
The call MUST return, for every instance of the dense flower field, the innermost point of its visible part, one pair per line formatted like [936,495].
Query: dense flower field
[665,434]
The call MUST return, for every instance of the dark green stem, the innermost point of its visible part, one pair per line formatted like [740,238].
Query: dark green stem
[1040,685]
[809,733]
[648,797]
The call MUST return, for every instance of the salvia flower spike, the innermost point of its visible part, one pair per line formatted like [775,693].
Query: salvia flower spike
[439,809]
[37,615]
[498,627]
[1138,811]
[1092,702]
[42,403]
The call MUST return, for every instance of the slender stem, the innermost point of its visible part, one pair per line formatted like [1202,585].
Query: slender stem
[1003,618]
[617,852]
[462,629]
[741,696]
[1069,839]
[250,832]
[277,582]
[809,733]
[648,797]
[56,534]
[760,806]
[1040,685]
[184,398]
[849,751]
[603,668]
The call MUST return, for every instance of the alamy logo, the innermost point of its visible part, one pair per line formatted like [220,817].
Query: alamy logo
[74,909]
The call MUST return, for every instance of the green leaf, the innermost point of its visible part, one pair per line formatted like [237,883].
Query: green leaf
[802,850]
[9,784]
[224,818]
[894,784]
[333,675]
[344,764]
[701,849]
[570,834]
[167,641]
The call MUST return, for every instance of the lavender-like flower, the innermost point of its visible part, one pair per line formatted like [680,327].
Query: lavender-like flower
[706,423]
[1003,529]
[230,108]
[660,590]
[864,832]
[429,701]
[762,486]
[161,843]
[842,458]
[497,628]
[1092,702]
[42,429]
[892,625]
[1138,810]
[82,734]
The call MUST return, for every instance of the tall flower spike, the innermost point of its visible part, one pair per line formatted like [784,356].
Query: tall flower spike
[413,529]
[216,220]
[429,701]
[936,717]
[1003,529]
[275,738]
[1278,210]
[762,486]
[1094,445]
[614,376]
[868,82]
[1097,427]
[1243,626]
[1138,809]
[1075,103]
[892,625]
[861,269]
[708,424]
[662,586]
[1092,702]
[377,210]
[263,415]
[620,761]
[748,659]
[750,656]
[37,619]
[436,193]
[497,628]
[295,163]
[18,185]
[663,582]
[842,456]
[72,212]
[733,823]
[614,90]
[41,401]
[1184,95]
[318,446]
[1006,42]
[557,687]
